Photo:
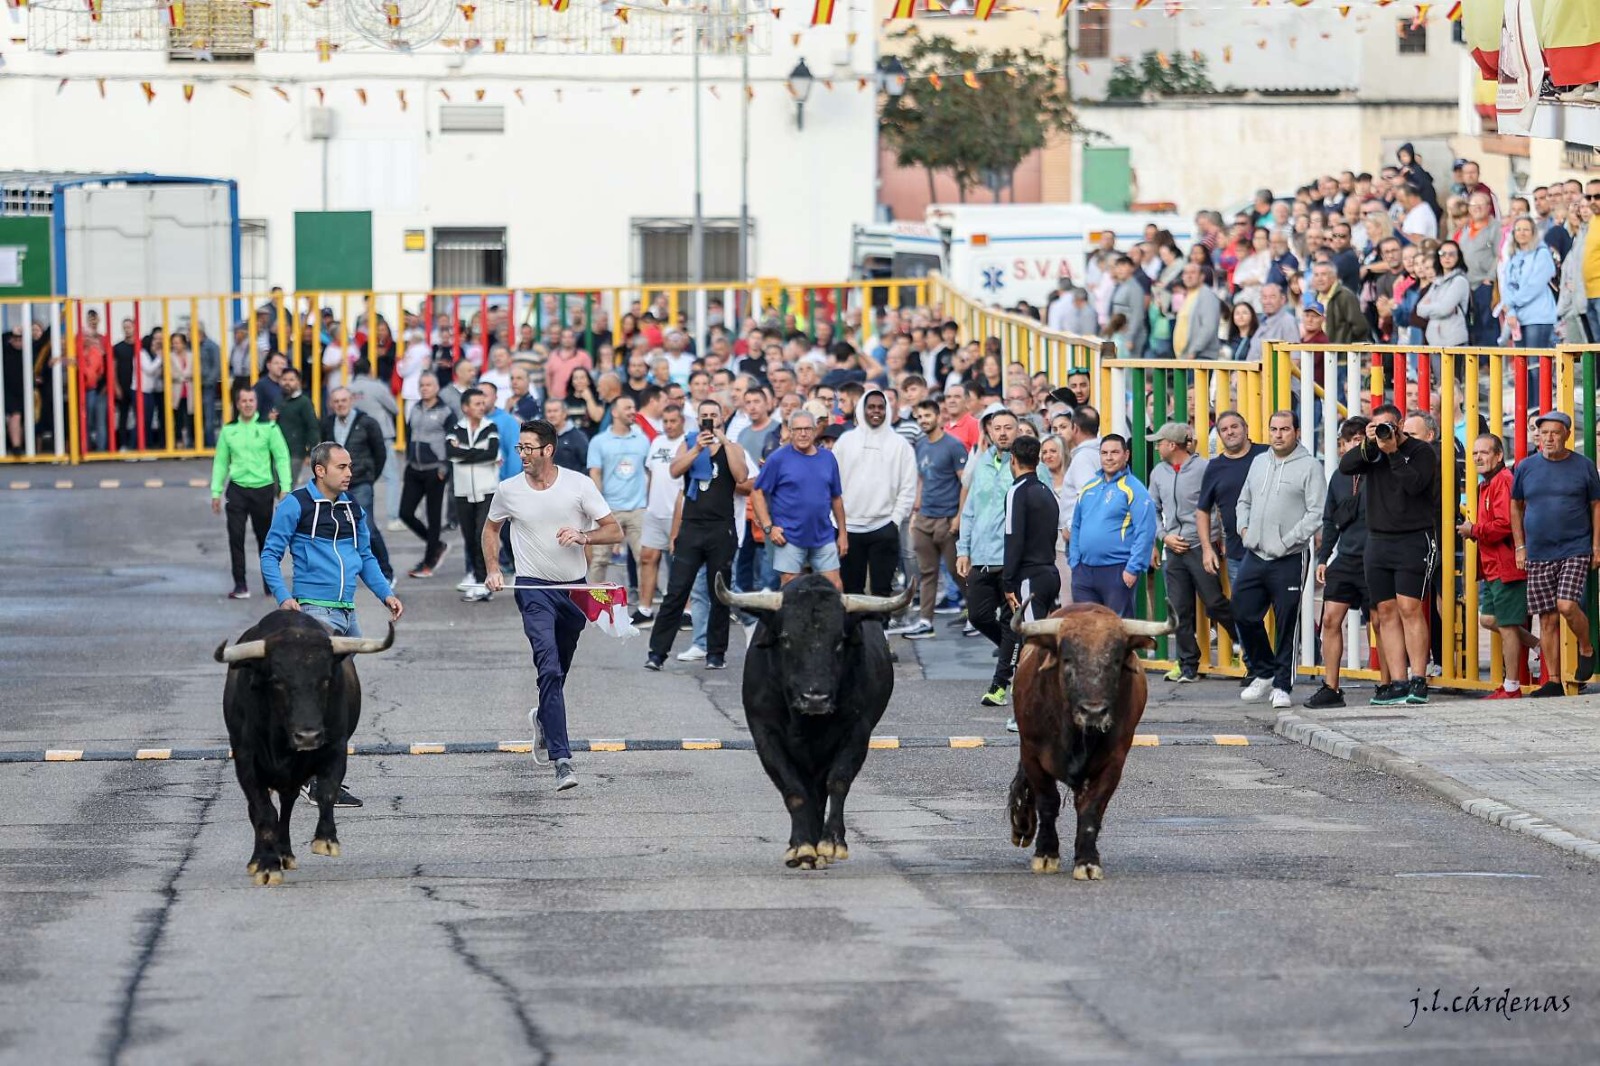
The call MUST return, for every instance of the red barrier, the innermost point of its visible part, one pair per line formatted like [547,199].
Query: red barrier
[138,375]
[1519,392]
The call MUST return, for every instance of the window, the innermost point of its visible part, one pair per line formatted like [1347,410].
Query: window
[1413,38]
[253,256]
[662,247]
[224,28]
[469,258]
[472,118]
[1094,33]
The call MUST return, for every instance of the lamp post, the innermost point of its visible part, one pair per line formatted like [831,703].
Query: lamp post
[892,76]
[995,179]
[800,81]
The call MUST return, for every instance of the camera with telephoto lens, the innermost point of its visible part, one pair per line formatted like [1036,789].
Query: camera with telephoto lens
[1384,431]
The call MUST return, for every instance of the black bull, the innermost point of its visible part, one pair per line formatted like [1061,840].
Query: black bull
[1079,694]
[291,703]
[816,681]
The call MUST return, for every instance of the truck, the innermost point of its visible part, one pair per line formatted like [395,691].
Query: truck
[1003,253]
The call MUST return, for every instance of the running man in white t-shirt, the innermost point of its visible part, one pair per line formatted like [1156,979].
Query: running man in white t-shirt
[656,539]
[549,509]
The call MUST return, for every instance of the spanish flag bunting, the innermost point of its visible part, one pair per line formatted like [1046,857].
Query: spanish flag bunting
[794,39]
[1299,3]
[1293,41]
[1061,8]
[1084,67]
[100,83]
[1173,8]
[561,5]
[935,81]
[446,94]
[903,9]
[175,16]
[1454,14]
[1384,3]
[1227,53]
[1139,5]
[188,92]
[324,50]
[478,94]
[518,94]
[499,46]
[401,93]
[1197,55]
[985,8]
[635,91]
[622,15]
[1344,11]
[1260,3]
[861,83]
[826,84]
[282,95]
[1262,44]
[242,91]
[971,78]
[94,10]
[61,86]
[718,96]
[149,91]
[822,13]
[777,12]
[617,45]
[850,39]
[1165,60]
[1421,17]
[361,94]
[468,10]
[391,14]
[322,97]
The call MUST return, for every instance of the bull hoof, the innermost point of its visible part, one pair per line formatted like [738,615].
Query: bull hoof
[289,861]
[1046,864]
[329,848]
[804,856]
[825,849]
[1022,840]
[1088,871]
[840,852]
[268,877]
[252,866]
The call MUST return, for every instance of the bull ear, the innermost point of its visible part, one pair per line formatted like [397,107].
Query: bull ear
[767,629]
[1137,643]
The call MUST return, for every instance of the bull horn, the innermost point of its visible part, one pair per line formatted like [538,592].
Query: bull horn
[1043,627]
[1135,628]
[242,652]
[362,645]
[858,604]
[748,601]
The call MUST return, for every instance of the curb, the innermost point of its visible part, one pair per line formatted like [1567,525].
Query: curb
[1330,741]
[524,747]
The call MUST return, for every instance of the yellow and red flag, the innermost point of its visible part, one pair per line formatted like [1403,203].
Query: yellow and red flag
[971,78]
[821,14]
[903,9]
[175,16]
[149,91]
[984,9]
[935,81]
[561,5]
[1061,8]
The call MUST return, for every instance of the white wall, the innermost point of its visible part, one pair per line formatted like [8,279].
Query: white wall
[565,178]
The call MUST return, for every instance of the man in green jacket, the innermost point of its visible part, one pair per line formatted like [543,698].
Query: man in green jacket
[297,419]
[252,467]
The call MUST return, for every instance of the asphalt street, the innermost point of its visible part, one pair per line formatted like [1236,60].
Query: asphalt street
[1262,901]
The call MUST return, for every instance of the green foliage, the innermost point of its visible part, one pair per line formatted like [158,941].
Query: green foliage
[1179,76]
[1021,101]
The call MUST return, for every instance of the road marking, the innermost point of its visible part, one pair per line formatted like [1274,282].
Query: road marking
[523,747]
[199,483]
[22,484]
[110,483]
[63,484]
[153,483]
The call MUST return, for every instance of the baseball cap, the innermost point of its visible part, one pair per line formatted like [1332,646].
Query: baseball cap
[1173,433]
[1554,416]
[1315,307]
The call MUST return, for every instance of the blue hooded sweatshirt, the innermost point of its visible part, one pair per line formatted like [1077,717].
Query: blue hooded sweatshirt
[1114,523]
[331,545]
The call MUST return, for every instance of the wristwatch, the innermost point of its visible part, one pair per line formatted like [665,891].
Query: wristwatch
[766,531]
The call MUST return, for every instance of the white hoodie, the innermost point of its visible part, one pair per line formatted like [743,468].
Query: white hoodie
[878,470]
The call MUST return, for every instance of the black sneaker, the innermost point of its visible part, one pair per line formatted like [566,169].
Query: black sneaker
[1325,697]
[642,620]
[654,662]
[1390,695]
[1548,690]
[1417,690]
[1585,667]
[715,662]
[686,625]
[346,799]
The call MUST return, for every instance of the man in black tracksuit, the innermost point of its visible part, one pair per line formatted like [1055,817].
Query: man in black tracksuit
[1400,484]
[1033,523]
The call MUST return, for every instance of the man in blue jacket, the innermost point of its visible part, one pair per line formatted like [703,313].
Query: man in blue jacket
[328,535]
[1113,532]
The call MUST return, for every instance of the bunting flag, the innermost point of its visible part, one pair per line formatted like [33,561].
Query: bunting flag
[188,92]
[861,83]
[446,94]
[282,93]
[561,5]
[749,92]
[1227,53]
[985,8]
[175,16]
[794,39]
[935,81]
[1173,8]
[324,50]
[1140,5]
[468,10]
[95,9]
[61,86]
[1454,14]
[518,94]
[622,15]
[361,94]
[242,91]
[402,94]
[635,91]
[1164,60]
[618,44]
[149,92]
[851,38]
[904,9]
[718,96]
[478,94]
[1344,11]
[100,83]
[322,97]
[971,78]
[391,15]
[1299,3]
[1420,19]
[1061,8]
[822,13]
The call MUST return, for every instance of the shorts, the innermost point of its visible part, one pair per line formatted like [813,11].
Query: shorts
[1401,564]
[791,559]
[1556,579]
[1504,601]
[1346,582]
[657,532]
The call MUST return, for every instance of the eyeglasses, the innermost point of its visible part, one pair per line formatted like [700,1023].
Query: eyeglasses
[1594,196]
[529,449]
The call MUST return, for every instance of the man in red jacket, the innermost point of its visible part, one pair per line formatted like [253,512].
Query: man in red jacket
[1503,599]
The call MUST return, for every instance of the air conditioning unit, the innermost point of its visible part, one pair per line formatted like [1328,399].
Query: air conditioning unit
[319,124]
[472,118]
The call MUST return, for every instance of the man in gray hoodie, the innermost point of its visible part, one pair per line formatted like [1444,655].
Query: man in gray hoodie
[1175,488]
[1280,509]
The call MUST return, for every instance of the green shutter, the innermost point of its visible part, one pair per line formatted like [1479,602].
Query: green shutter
[333,251]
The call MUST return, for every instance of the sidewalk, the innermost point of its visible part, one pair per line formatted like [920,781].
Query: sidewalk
[1532,766]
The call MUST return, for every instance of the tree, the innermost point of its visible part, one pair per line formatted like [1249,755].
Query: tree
[941,123]
[1159,74]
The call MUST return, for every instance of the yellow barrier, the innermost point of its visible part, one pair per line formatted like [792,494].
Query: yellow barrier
[1022,339]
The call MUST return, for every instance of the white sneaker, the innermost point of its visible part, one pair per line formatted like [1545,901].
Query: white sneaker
[691,654]
[475,594]
[465,583]
[395,526]
[1281,699]
[541,754]
[1256,690]
[919,630]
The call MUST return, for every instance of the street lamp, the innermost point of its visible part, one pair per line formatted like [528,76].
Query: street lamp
[995,179]
[800,81]
[892,76]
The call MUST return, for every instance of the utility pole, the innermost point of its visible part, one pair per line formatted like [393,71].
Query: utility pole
[697,237]
[731,313]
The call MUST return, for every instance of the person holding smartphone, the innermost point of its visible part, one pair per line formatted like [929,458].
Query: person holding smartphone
[711,466]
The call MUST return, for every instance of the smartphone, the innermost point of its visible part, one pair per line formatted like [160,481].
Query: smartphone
[708,425]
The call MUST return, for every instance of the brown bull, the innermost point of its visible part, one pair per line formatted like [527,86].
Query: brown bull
[1079,694]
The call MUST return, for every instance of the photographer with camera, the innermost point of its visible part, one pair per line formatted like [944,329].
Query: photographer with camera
[1400,484]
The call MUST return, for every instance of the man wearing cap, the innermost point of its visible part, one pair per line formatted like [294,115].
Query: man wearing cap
[1175,488]
[1343,320]
[1555,525]
[1313,323]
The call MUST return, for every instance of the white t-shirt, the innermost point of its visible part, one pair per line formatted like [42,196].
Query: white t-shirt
[1421,221]
[574,500]
[664,488]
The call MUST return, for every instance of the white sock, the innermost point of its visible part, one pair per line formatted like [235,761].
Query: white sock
[1511,685]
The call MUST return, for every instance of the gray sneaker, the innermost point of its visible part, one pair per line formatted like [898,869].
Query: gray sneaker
[565,778]
[540,754]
